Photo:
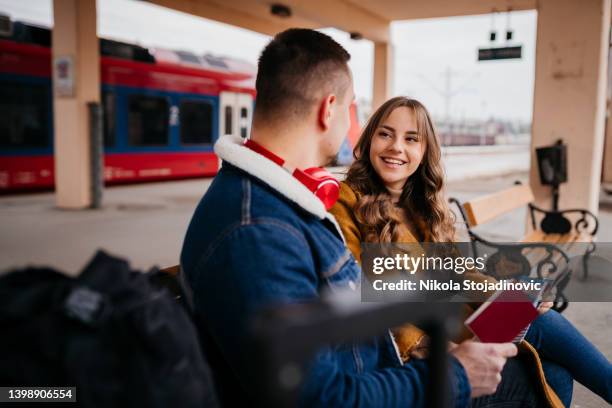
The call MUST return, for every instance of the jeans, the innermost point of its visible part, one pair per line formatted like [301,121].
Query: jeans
[558,341]
[560,380]
[520,389]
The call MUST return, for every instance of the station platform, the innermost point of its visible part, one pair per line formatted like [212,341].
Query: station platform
[146,224]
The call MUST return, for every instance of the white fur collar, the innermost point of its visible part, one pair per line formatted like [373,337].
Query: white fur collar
[232,150]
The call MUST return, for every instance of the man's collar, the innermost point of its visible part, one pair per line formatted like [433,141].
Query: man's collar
[232,150]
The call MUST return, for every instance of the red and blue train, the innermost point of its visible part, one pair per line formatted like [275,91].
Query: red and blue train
[162,110]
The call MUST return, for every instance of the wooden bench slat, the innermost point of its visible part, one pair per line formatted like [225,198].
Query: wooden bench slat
[535,256]
[583,237]
[486,208]
[573,248]
[536,236]
[171,270]
[570,239]
[560,240]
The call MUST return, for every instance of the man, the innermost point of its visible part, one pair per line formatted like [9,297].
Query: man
[260,236]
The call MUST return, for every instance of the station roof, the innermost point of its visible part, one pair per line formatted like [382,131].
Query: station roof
[369,18]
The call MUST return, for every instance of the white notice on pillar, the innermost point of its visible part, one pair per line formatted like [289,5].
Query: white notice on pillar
[63,76]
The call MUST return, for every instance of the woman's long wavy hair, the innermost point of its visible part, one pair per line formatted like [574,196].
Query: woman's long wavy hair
[422,197]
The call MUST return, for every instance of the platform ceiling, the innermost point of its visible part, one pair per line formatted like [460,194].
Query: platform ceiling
[370,18]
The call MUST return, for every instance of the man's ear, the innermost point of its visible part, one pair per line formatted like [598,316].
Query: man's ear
[326,111]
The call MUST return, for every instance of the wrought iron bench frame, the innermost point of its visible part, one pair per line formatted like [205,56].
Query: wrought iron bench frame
[553,222]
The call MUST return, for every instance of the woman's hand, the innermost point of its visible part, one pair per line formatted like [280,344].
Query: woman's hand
[544,307]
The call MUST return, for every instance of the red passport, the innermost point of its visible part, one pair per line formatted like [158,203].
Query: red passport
[505,316]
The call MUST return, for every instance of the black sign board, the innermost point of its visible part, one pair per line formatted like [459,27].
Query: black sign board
[488,54]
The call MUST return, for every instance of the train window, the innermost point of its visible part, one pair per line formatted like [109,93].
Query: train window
[228,120]
[216,62]
[147,120]
[108,108]
[244,116]
[24,109]
[196,122]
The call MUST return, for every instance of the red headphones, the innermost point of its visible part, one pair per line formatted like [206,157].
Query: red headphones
[316,179]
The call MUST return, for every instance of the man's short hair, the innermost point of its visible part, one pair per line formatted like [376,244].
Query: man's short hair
[295,69]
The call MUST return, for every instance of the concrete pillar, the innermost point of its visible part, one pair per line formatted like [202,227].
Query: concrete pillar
[606,176]
[570,95]
[76,81]
[383,73]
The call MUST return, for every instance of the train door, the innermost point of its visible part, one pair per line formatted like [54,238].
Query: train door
[236,112]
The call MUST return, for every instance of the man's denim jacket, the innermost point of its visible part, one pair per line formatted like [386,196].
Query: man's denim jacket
[259,237]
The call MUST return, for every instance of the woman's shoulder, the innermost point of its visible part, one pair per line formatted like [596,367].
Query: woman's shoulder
[347,195]
[344,208]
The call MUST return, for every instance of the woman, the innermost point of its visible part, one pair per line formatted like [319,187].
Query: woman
[394,193]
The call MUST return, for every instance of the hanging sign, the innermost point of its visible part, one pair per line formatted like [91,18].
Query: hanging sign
[488,54]
[63,76]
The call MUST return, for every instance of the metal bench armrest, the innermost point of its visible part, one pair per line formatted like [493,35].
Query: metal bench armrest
[456,201]
[588,221]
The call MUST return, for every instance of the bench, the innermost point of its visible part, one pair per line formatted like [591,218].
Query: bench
[286,336]
[543,251]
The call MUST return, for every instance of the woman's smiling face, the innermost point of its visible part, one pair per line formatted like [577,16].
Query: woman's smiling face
[396,149]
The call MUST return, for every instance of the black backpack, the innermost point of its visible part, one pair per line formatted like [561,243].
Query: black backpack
[118,338]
